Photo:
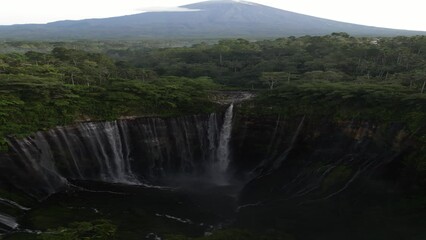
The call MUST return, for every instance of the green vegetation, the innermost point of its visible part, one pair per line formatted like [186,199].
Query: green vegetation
[44,89]
[105,230]
[39,91]
[381,80]
[101,229]
[337,77]
[381,103]
[335,58]
[94,46]
[234,234]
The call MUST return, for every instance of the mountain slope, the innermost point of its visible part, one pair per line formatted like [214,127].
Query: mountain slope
[211,19]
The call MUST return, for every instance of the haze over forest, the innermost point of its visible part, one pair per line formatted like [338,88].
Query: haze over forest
[210,19]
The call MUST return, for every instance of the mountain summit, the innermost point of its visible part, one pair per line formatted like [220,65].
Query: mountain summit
[210,19]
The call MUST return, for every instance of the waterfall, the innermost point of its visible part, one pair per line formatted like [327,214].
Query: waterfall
[225,136]
[279,161]
[105,143]
[212,132]
[35,166]
[13,204]
[8,221]
[138,151]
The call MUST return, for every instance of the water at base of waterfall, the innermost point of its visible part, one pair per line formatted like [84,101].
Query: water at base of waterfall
[191,210]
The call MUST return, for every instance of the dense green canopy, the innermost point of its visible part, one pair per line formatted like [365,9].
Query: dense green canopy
[41,89]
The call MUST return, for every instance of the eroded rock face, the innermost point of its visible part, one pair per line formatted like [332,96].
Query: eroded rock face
[135,151]
[304,153]
[323,179]
[312,159]
[283,163]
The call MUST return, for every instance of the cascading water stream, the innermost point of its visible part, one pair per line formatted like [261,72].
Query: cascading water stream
[8,221]
[225,136]
[221,154]
[171,151]
[145,151]
[13,204]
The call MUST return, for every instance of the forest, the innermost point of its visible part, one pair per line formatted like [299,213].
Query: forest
[59,83]
[371,81]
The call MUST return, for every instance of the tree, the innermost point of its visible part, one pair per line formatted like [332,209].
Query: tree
[69,73]
[3,66]
[273,78]
[332,76]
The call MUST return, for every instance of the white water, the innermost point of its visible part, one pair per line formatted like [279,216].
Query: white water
[68,147]
[223,152]
[278,162]
[13,204]
[110,150]
[38,162]
[8,221]
[127,152]
[181,220]
[187,146]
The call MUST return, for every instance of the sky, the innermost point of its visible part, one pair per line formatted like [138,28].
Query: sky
[400,14]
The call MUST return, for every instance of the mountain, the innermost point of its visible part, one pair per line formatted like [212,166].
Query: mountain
[210,19]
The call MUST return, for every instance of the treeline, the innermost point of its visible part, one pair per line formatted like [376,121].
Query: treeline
[336,57]
[71,67]
[94,46]
[39,90]
[238,62]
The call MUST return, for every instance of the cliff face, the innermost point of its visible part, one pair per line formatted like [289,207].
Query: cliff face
[140,151]
[311,158]
[324,178]
[148,150]
[283,163]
